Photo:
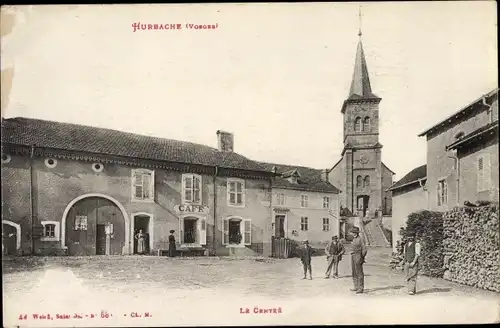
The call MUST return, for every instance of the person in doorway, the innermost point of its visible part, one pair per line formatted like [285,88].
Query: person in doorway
[334,251]
[305,258]
[171,244]
[411,254]
[358,255]
[141,242]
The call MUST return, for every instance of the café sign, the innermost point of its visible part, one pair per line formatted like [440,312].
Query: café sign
[191,209]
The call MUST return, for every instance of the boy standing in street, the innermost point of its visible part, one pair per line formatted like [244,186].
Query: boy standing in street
[305,258]
[411,254]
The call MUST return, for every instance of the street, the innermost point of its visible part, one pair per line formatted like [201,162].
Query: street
[145,291]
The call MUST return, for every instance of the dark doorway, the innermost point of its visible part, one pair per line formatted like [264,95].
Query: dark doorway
[9,239]
[190,231]
[235,232]
[279,226]
[101,240]
[141,222]
[363,203]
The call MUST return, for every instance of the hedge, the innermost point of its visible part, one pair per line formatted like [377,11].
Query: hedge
[427,226]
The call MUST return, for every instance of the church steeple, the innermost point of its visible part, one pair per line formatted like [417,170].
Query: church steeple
[360,85]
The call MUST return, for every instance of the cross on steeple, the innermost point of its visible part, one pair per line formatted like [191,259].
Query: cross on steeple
[359,14]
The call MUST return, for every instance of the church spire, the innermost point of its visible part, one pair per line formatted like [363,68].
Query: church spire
[360,85]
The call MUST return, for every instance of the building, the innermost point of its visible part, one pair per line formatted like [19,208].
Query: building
[83,190]
[409,195]
[360,173]
[305,205]
[462,155]
[462,163]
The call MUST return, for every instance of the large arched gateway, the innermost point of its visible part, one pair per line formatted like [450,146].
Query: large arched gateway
[95,225]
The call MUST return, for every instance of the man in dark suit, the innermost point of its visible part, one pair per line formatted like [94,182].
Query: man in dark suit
[334,251]
[305,258]
[358,255]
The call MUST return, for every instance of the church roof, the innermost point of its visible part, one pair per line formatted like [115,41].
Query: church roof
[361,88]
[360,85]
[418,173]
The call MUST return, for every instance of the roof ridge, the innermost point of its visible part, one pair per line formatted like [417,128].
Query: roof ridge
[107,129]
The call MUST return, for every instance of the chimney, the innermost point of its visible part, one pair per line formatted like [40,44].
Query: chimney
[225,141]
[324,175]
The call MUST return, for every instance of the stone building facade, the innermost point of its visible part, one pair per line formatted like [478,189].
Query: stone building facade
[360,173]
[305,205]
[79,190]
[462,155]
[462,164]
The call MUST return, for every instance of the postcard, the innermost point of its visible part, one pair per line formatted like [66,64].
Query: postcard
[250,164]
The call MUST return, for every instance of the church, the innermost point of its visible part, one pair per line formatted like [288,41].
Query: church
[360,173]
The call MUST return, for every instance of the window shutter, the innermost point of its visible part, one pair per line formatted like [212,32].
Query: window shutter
[186,187]
[181,230]
[248,232]
[146,178]
[196,189]
[203,231]
[225,231]
[439,192]
[486,172]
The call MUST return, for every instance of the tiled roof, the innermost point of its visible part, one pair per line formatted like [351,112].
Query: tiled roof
[82,138]
[465,110]
[413,176]
[309,179]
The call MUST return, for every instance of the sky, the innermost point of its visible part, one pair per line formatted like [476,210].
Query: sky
[275,75]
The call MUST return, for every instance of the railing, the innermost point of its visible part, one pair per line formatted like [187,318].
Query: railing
[281,247]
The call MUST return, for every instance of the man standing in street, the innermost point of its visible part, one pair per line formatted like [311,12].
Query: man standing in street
[305,258]
[411,254]
[334,251]
[358,255]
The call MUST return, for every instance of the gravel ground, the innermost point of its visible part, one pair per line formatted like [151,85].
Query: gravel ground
[215,291]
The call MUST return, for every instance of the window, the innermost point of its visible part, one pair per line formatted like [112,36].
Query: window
[50,231]
[366,124]
[304,223]
[193,230]
[280,199]
[483,173]
[236,232]
[326,224]
[304,201]
[97,167]
[366,181]
[81,222]
[357,124]
[326,202]
[50,163]
[359,181]
[6,158]
[191,188]
[143,185]
[442,192]
[236,192]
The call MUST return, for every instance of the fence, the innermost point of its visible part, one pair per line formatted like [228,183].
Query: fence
[281,247]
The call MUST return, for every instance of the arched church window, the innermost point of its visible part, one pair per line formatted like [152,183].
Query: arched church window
[357,124]
[366,124]
[366,182]
[358,181]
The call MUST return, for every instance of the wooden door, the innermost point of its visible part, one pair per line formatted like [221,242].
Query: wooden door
[101,240]
[280,226]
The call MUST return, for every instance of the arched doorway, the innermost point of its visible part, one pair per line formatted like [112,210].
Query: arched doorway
[11,237]
[95,225]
